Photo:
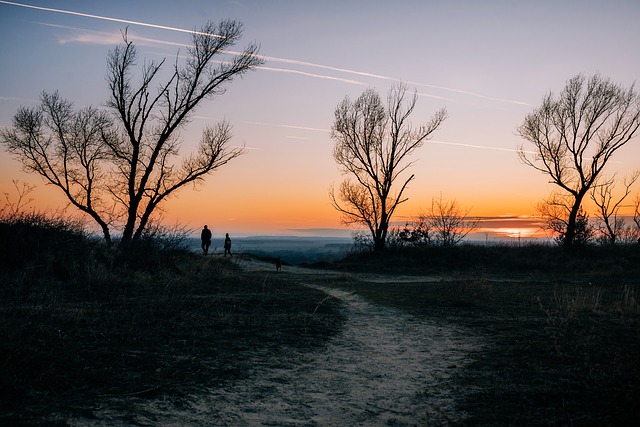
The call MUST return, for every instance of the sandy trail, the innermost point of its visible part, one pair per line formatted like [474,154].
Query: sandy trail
[384,368]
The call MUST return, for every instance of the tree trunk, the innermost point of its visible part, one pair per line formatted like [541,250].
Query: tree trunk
[378,244]
[570,232]
[380,235]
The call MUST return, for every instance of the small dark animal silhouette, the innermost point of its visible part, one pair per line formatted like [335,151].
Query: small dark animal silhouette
[278,264]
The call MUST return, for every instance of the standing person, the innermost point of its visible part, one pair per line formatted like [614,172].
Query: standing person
[205,236]
[227,245]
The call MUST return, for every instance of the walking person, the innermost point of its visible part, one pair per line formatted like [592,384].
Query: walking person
[205,237]
[227,245]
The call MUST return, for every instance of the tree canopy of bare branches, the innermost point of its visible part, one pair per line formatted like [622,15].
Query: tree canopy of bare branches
[119,165]
[373,146]
[612,225]
[575,135]
[447,222]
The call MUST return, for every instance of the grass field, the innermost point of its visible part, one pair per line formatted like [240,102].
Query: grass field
[563,330]
[81,322]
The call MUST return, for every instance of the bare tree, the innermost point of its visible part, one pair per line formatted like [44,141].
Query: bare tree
[636,219]
[612,226]
[554,212]
[13,209]
[447,223]
[575,135]
[373,145]
[118,168]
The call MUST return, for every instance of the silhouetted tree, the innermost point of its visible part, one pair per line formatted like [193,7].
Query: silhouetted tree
[636,218]
[412,234]
[612,226]
[447,223]
[373,145]
[554,212]
[118,168]
[575,135]
[13,208]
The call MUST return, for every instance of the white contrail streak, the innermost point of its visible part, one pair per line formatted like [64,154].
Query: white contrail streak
[319,76]
[287,126]
[103,38]
[460,144]
[275,59]
[381,77]
[106,18]
[456,144]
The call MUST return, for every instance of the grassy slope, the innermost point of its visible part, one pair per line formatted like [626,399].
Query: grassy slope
[81,322]
[563,330]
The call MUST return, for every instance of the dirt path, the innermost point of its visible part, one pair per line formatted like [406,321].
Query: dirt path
[383,368]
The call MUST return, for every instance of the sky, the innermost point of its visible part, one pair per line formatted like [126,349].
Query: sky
[489,63]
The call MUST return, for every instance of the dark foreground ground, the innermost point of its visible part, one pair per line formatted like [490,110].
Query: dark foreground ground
[562,331]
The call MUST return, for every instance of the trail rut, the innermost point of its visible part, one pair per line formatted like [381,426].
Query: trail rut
[384,368]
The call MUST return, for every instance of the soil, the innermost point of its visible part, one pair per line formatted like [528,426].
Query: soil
[385,367]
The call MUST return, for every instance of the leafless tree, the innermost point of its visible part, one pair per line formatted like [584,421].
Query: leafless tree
[373,146]
[554,212]
[119,167]
[636,219]
[13,208]
[575,135]
[612,226]
[447,222]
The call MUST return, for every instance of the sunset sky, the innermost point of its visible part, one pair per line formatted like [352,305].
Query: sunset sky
[488,62]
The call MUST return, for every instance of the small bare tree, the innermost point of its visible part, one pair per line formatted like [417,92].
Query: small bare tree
[636,218]
[575,135]
[118,168]
[373,145]
[554,212]
[14,208]
[447,223]
[611,225]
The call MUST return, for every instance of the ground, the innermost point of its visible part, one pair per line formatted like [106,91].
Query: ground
[337,346]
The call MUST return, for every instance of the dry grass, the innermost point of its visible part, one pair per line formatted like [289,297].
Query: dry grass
[562,344]
[147,322]
[81,322]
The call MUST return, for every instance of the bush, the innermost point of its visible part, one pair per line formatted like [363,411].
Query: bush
[36,242]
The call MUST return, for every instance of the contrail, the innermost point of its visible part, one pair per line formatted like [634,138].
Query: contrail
[104,38]
[276,59]
[270,124]
[319,76]
[466,92]
[287,126]
[106,18]
[381,77]
[483,147]
[456,144]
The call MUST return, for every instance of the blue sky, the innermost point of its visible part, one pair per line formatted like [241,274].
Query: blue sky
[488,62]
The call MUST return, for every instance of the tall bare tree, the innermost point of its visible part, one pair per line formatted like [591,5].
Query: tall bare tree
[373,146]
[118,168]
[575,135]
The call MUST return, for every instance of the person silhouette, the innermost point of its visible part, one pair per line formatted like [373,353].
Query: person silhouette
[227,245]
[205,236]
